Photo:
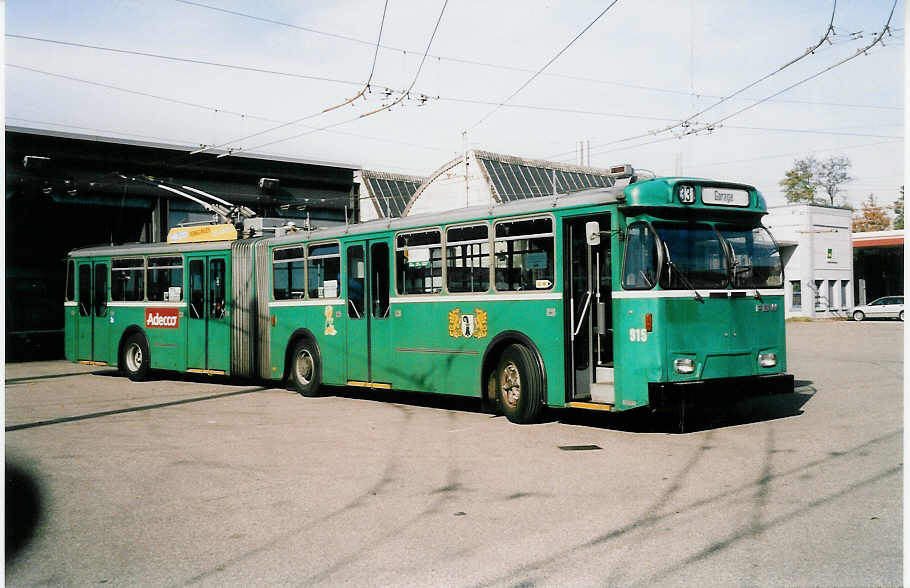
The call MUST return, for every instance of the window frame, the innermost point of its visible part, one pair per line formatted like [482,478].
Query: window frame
[490,258]
[341,267]
[442,272]
[144,261]
[303,258]
[625,256]
[182,267]
[551,235]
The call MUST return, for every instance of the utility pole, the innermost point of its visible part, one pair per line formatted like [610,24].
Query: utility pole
[467,183]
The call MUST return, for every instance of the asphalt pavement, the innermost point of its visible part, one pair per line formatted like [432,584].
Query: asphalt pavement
[186,480]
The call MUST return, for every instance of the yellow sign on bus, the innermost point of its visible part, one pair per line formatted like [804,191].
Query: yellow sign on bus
[225,232]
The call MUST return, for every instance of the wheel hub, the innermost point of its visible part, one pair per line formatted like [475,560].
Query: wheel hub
[134,357]
[510,384]
[304,367]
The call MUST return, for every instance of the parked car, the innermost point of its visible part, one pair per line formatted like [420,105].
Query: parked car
[884,307]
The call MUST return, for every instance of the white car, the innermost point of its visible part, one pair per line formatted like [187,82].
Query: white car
[885,307]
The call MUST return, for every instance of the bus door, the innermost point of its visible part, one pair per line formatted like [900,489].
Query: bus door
[358,324]
[589,328]
[369,332]
[91,322]
[208,345]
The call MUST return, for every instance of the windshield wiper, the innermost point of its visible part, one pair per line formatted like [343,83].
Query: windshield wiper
[741,270]
[685,280]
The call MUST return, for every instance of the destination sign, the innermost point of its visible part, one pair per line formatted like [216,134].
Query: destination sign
[725,197]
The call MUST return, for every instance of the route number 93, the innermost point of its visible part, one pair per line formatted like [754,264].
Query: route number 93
[638,335]
[687,194]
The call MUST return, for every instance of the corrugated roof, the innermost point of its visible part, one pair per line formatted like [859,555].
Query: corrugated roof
[390,193]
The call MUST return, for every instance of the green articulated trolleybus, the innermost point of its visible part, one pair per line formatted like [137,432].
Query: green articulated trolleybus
[662,294]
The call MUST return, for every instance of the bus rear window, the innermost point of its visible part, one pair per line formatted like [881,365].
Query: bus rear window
[324,270]
[165,275]
[418,262]
[128,279]
[288,273]
[524,254]
[70,280]
[468,259]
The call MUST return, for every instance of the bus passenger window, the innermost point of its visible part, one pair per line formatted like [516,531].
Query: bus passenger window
[418,262]
[524,254]
[197,289]
[165,279]
[379,279]
[85,289]
[323,270]
[640,267]
[128,279]
[217,288]
[356,278]
[101,289]
[468,259]
[288,273]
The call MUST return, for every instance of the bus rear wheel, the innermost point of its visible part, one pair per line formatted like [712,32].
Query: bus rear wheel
[135,357]
[519,384]
[305,368]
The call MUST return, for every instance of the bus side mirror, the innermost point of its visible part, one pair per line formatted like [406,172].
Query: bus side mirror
[592,233]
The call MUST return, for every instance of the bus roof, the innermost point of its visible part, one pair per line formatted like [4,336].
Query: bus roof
[657,192]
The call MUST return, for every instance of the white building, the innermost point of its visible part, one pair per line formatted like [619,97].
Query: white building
[817,253]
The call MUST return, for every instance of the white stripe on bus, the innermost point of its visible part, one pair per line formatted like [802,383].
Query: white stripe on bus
[691,293]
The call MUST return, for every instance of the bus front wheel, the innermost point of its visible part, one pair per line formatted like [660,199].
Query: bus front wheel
[305,368]
[519,384]
[135,358]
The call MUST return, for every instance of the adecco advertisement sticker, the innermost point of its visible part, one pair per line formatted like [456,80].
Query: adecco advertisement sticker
[162,318]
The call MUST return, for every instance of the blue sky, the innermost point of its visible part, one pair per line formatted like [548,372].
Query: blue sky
[642,66]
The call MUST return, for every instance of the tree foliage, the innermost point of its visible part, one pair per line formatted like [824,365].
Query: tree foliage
[809,176]
[799,181]
[899,210]
[872,217]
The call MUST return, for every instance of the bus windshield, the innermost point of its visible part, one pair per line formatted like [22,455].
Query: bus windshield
[693,257]
[756,260]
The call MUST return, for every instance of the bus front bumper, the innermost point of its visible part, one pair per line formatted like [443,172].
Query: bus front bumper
[673,395]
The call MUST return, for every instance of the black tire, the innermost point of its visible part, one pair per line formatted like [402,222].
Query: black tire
[859,315]
[519,385]
[135,358]
[305,368]
[900,317]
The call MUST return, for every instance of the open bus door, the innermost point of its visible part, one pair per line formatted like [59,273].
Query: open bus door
[91,321]
[589,329]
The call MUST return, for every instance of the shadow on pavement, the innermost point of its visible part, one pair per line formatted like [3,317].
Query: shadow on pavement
[24,507]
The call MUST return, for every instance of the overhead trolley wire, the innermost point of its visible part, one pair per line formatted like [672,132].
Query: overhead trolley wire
[419,67]
[331,126]
[714,125]
[216,109]
[501,66]
[186,60]
[862,51]
[546,65]
[829,30]
[366,85]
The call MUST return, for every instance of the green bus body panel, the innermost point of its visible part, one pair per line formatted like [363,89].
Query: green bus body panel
[423,356]
[420,345]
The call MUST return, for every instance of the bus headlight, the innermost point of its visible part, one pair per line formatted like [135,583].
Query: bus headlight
[767,359]
[685,365]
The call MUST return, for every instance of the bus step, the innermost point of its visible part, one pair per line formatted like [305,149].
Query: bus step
[88,362]
[590,406]
[207,372]
[381,385]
